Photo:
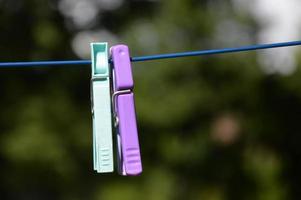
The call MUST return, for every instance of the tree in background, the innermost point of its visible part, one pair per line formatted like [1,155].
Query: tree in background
[212,127]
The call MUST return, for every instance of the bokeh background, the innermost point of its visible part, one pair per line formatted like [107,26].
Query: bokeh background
[212,127]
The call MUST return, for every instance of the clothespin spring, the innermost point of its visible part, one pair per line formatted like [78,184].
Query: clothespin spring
[114,96]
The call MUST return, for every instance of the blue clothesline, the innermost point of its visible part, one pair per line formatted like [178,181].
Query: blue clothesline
[155,57]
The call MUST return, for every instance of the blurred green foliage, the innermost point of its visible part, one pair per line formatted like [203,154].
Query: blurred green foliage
[213,127]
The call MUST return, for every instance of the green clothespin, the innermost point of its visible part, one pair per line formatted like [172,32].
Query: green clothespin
[101,109]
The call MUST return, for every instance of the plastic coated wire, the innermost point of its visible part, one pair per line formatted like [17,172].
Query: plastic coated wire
[155,57]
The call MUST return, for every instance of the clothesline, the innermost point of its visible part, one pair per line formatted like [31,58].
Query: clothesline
[155,57]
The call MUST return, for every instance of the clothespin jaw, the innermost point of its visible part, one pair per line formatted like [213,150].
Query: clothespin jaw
[129,158]
[101,109]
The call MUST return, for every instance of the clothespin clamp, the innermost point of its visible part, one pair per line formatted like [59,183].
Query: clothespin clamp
[101,109]
[129,158]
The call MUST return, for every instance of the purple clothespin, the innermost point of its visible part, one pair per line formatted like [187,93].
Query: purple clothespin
[129,159]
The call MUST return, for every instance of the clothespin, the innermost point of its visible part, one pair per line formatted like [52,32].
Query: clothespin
[129,159]
[101,109]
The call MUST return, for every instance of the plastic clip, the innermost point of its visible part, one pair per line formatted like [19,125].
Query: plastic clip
[129,159]
[101,109]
